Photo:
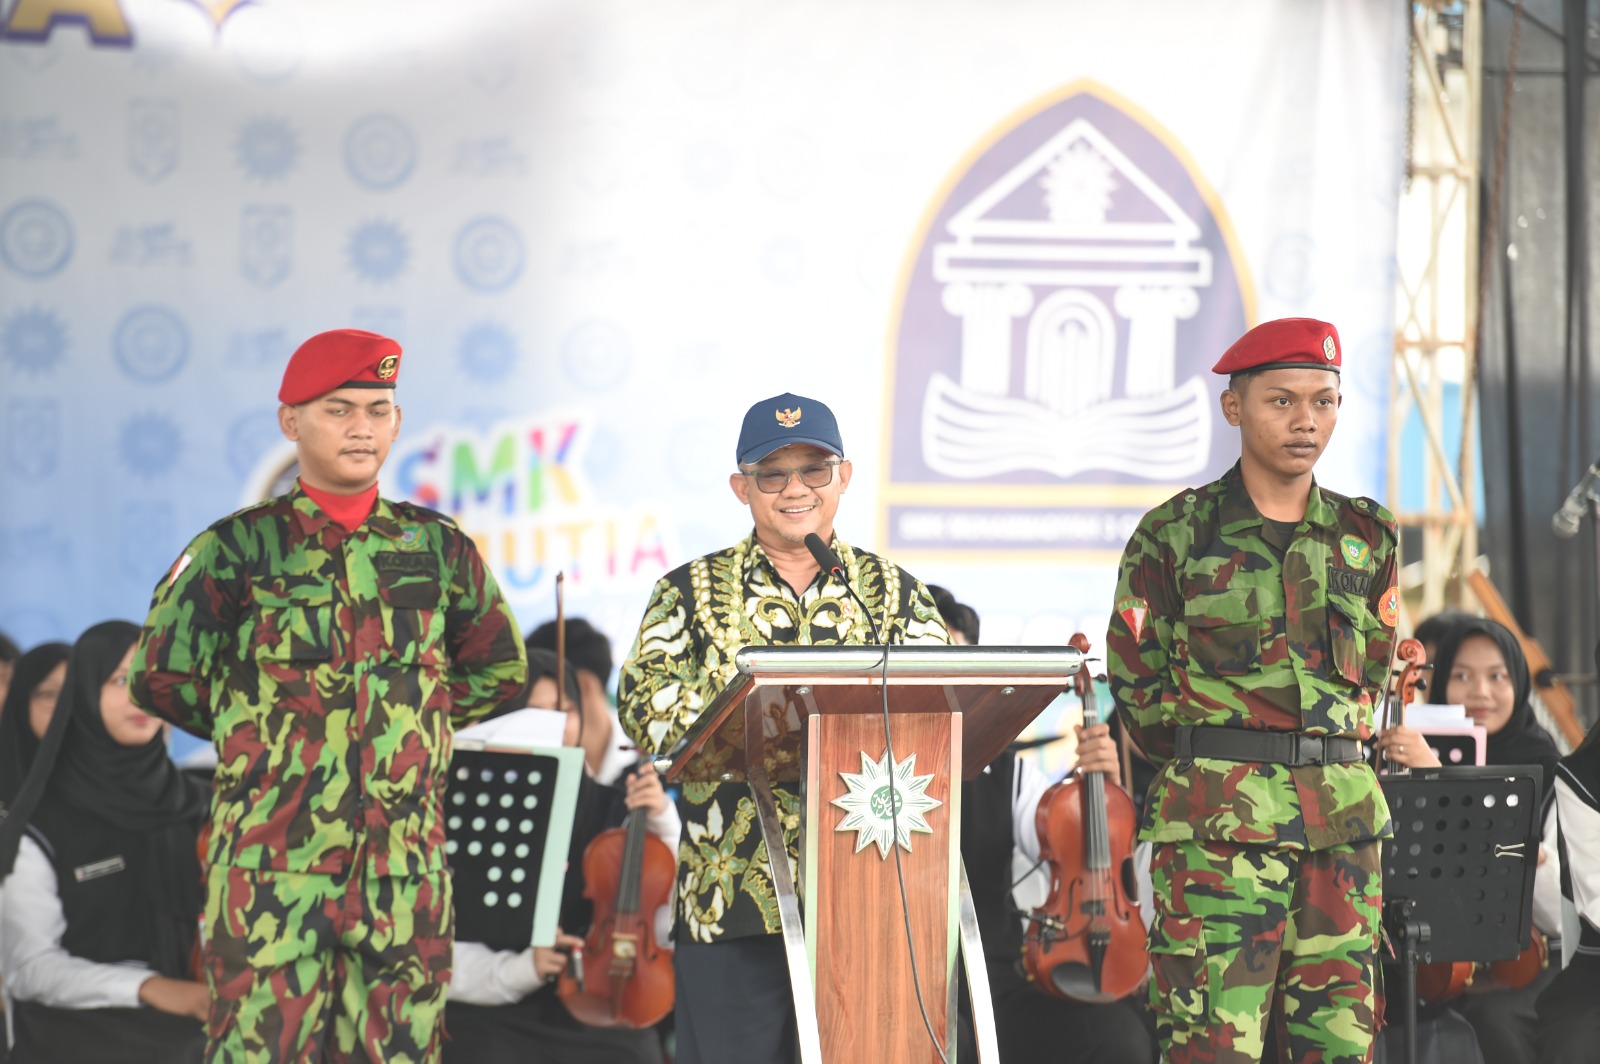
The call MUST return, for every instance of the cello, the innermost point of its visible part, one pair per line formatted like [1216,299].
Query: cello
[1087,942]
[627,874]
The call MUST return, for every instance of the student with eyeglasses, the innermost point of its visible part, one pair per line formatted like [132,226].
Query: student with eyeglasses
[733,994]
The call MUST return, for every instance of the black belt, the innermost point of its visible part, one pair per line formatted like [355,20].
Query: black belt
[1279,748]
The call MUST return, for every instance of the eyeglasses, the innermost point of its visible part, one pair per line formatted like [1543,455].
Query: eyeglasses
[772,480]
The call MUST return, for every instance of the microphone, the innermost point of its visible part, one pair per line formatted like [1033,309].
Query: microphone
[829,562]
[1565,522]
[824,555]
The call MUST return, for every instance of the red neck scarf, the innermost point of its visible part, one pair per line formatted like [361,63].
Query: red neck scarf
[347,511]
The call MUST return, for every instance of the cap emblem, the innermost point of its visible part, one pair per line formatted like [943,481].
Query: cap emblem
[389,364]
[1328,349]
[788,418]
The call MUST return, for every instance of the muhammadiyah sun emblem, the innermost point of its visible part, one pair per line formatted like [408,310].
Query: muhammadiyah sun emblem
[867,805]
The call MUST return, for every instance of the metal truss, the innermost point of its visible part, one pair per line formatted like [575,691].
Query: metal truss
[1437,300]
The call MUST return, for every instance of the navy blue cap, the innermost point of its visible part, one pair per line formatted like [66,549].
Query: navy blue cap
[784,420]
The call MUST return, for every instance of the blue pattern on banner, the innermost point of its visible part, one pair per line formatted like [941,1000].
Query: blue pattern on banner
[30,625]
[35,238]
[150,444]
[153,138]
[1291,273]
[37,138]
[379,250]
[151,344]
[148,538]
[157,244]
[34,545]
[380,151]
[603,458]
[250,437]
[266,243]
[268,148]
[33,341]
[708,163]
[700,455]
[488,254]
[783,260]
[260,349]
[488,352]
[385,321]
[33,437]
[597,355]
[489,157]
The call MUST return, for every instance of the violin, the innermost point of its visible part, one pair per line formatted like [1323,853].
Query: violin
[627,981]
[627,874]
[1442,980]
[1087,943]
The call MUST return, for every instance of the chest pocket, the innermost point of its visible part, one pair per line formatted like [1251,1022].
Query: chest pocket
[411,593]
[1349,621]
[293,619]
[1224,632]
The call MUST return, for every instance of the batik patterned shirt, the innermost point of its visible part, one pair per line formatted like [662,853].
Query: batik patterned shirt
[1222,619]
[699,616]
[328,669]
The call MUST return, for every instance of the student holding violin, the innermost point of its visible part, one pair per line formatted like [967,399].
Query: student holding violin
[1480,665]
[504,1006]
[1250,639]
[999,833]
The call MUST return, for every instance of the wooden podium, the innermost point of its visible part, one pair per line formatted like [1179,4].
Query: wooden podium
[813,716]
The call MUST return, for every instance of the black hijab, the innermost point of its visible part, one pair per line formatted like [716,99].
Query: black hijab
[1521,741]
[18,744]
[81,771]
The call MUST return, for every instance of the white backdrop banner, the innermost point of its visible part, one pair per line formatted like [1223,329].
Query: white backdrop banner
[1004,240]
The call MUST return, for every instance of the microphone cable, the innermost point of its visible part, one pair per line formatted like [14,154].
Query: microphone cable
[830,563]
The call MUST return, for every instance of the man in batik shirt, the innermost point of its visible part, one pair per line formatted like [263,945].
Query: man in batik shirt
[1250,640]
[327,641]
[733,1000]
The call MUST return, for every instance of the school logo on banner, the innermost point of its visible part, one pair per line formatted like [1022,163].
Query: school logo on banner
[266,244]
[153,138]
[1059,314]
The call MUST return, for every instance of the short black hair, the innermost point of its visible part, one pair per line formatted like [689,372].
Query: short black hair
[9,651]
[587,647]
[1435,628]
[542,663]
[957,615]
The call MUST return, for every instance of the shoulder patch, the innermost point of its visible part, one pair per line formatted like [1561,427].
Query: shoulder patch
[1389,607]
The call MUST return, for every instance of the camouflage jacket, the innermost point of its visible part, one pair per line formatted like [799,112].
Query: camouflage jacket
[328,667]
[699,616]
[1214,626]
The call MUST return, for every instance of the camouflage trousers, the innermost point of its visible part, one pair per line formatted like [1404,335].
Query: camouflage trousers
[328,968]
[1244,934]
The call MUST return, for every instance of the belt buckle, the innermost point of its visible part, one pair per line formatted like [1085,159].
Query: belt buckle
[1309,750]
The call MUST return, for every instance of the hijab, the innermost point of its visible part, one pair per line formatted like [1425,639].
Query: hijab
[1521,741]
[18,744]
[81,771]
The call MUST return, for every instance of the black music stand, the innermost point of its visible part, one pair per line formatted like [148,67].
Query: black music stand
[508,825]
[1458,874]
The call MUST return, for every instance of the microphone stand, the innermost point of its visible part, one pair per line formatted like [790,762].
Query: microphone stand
[829,563]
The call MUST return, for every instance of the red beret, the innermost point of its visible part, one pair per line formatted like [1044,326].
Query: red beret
[342,358]
[1287,343]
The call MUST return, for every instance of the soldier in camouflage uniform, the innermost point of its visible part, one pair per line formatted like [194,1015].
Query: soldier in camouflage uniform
[1250,640]
[327,641]
[733,1001]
